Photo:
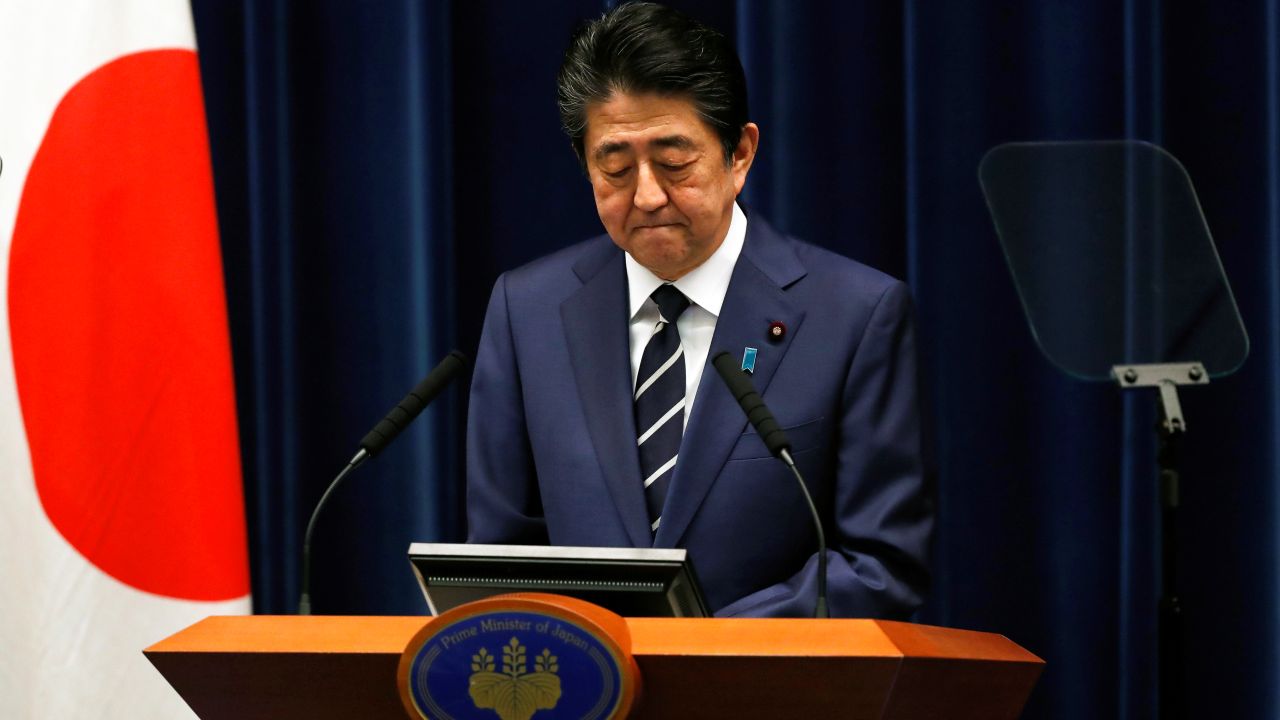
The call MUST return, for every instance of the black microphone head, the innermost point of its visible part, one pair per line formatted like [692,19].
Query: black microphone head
[418,398]
[744,391]
[723,363]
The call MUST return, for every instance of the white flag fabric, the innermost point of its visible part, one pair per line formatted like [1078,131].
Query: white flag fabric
[121,507]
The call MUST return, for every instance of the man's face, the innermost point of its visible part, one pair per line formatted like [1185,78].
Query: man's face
[662,187]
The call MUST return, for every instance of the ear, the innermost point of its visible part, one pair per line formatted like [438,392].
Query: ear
[744,154]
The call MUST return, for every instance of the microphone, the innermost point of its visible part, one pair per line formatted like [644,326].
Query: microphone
[374,441]
[744,391]
[403,413]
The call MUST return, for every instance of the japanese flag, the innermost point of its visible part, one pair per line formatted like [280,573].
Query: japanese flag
[121,509]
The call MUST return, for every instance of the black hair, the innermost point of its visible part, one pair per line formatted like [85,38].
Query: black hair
[648,48]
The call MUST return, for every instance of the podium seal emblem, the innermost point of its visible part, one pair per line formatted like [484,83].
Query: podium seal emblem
[526,656]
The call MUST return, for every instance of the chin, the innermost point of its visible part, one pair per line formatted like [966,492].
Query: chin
[668,255]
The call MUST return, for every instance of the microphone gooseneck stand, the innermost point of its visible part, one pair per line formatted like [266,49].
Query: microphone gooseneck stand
[820,608]
[373,442]
[304,598]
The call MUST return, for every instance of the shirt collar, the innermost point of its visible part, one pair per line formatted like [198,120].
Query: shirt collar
[705,285]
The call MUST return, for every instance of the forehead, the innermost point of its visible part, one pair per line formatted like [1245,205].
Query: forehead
[637,121]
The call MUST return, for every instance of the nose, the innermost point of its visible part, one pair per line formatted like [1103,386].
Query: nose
[650,195]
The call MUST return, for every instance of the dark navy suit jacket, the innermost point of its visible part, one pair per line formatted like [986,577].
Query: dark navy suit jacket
[551,439]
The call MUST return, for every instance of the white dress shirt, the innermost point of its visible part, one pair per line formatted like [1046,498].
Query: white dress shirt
[705,286]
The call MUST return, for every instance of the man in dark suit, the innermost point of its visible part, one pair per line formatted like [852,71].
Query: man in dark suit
[595,418]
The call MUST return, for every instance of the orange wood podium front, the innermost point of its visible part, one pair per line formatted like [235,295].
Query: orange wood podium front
[345,667]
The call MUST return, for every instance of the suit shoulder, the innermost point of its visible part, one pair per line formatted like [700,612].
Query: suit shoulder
[831,273]
[562,265]
[799,265]
[821,260]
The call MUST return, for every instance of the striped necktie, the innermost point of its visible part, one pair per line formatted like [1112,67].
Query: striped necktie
[659,399]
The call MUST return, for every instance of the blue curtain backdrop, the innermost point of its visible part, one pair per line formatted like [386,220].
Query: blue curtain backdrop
[379,163]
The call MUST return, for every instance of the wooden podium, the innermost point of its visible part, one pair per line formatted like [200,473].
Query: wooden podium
[284,667]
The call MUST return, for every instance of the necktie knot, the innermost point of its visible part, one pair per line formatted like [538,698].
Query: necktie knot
[671,302]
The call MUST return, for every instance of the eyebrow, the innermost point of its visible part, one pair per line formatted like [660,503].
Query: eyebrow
[678,142]
[606,149]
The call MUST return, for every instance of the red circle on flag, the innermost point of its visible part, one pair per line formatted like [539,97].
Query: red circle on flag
[118,324]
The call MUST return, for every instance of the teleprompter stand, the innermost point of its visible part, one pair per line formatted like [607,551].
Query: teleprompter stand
[1167,377]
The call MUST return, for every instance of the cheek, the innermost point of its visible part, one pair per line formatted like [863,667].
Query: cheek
[605,193]
[612,203]
[692,199]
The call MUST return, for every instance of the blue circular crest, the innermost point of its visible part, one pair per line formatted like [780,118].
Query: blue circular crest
[514,665]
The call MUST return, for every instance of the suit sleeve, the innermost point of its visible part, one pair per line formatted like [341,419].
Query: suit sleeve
[503,505]
[880,519]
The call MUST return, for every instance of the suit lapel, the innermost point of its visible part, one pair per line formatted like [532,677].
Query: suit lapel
[756,297]
[595,324]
